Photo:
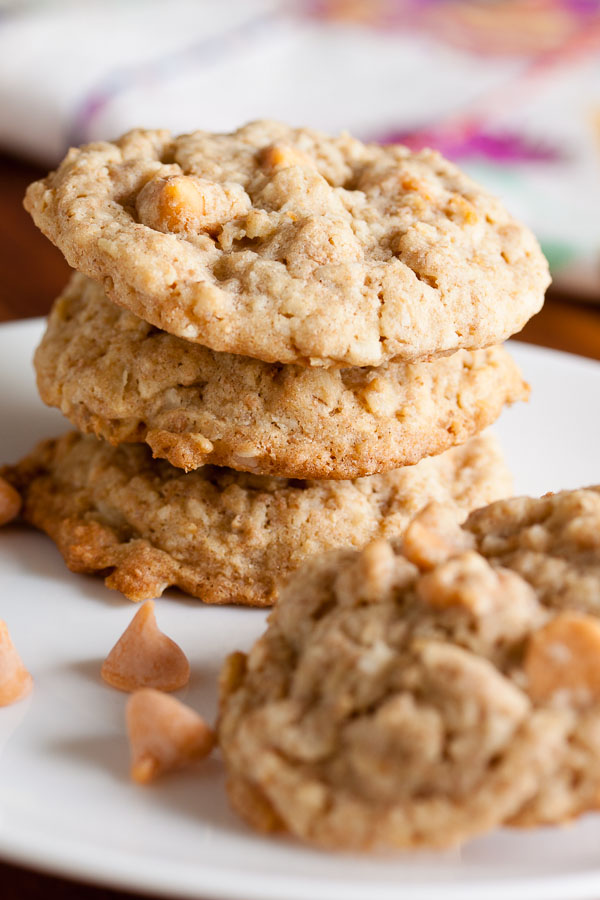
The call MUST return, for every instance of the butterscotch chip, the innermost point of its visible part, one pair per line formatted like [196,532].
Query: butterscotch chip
[10,502]
[282,156]
[389,707]
[15,680]
[144,657]
[468,581]
[563,661]
[115,375]
[164,734]
[179,203]
[433,536]
[221,535]
[288,245]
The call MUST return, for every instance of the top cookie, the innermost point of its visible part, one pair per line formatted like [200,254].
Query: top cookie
[291,246]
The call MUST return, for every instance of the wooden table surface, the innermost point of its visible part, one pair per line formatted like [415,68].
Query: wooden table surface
[32,272]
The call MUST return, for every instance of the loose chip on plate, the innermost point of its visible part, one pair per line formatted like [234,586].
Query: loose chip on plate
[164,734]
[15,680]
[145,657]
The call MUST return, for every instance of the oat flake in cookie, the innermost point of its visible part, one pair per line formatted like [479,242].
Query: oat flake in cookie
[221,535]
[418,699]
[291,246]
[114,375]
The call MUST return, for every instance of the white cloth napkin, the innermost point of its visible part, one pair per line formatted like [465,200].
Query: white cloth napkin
[523,116]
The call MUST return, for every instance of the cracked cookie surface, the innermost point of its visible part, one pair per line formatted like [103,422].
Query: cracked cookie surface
[114,375]
[221,535]
[288,245]
[426,690]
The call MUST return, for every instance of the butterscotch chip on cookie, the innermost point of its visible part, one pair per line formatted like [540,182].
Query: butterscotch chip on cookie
[221,535]
[389,706]
[291,246]
[116,376]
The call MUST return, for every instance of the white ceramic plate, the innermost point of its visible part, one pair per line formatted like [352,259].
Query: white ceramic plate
[66,804]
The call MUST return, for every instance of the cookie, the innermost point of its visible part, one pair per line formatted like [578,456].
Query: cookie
[221,535]
[288,245]
[116,376]
[417,699]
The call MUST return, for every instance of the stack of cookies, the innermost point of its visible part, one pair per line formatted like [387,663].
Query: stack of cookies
[285,342]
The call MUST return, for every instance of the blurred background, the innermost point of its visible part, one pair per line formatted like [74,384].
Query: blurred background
[509,89]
